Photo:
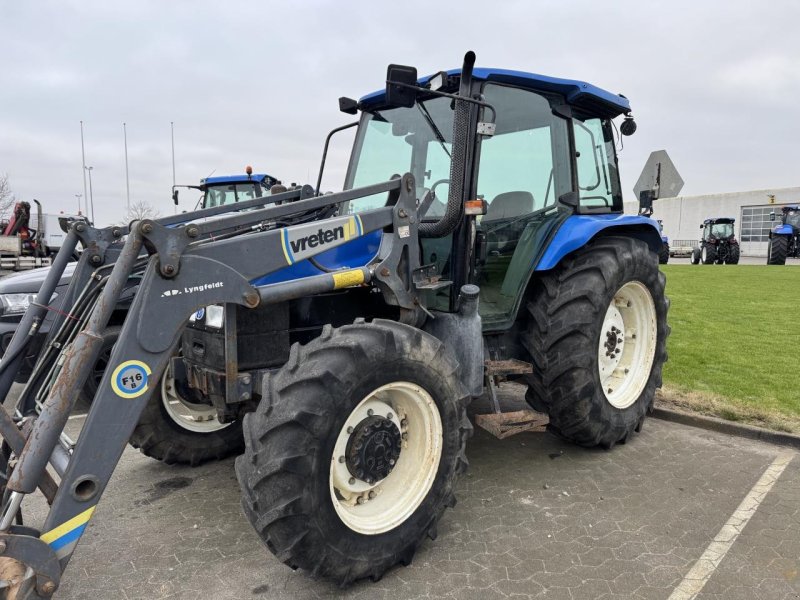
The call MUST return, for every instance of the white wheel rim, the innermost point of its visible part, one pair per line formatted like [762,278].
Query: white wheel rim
[704,256]
[198,418]
[627,344]
[375,508]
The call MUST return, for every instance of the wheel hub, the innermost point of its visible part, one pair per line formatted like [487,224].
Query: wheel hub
[373,449]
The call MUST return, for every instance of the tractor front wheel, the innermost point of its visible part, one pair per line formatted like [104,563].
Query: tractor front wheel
[778,249]
[352,456]
[175,430]
[695,258]
[597,334]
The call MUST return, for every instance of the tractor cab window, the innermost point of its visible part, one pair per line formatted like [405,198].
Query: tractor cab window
[522,171]
[229,194]
[595,160]
[793,218]
[720,230]
[395,141]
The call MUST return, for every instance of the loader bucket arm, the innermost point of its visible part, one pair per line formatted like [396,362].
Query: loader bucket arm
[185,268]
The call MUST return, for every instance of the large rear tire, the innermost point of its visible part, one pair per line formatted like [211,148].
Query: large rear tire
[177,431]
[352,456]
[708,254]
[777,250]
[733,255]
[597,335]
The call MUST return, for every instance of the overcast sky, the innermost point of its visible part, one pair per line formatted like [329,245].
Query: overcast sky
[716,84]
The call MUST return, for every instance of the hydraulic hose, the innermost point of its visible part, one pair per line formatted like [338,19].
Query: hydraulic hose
[455,208]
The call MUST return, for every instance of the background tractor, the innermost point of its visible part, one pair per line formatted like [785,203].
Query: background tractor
[784,239]
[340,337]
[718,244]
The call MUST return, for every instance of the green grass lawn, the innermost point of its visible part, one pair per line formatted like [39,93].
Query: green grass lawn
[735,337]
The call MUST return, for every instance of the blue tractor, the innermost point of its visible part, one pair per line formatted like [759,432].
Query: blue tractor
[340,337]
[784,239]
[229,189]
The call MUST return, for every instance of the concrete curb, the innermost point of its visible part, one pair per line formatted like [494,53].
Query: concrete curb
[721,426]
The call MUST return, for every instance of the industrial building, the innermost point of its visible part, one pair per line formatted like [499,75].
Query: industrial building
[682,215]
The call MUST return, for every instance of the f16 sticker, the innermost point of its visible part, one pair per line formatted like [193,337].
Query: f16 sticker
[129,380]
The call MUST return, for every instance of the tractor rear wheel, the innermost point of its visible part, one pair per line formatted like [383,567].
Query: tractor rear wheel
[708,255]
[778,249]
[597,335]
[175,430]
[352,456]
[663,254]
[733,256]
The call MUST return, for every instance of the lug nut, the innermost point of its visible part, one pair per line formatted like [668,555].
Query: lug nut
[351,481]
[341,459]
[349,430]
[370,412]
[389,416]
[372,495]
[360,500]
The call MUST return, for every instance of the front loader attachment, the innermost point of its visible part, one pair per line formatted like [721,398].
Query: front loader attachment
[180,264]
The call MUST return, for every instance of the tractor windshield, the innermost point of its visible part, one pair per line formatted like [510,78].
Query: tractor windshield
[219,195]
[793,218]
[722,230]
[401,140]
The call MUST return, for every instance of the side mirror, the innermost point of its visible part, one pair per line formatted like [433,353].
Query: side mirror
[175,197]
[701,226]
[348,105]
[772,216]
[401,95]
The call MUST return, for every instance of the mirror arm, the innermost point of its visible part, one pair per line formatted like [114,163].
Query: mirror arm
[446,95]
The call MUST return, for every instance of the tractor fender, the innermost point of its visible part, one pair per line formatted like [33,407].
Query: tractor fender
[783,230]
[579,230]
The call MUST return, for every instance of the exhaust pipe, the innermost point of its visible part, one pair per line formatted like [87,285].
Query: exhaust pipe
[458,164]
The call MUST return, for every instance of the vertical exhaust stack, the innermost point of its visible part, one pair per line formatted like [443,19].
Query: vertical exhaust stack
[458,164]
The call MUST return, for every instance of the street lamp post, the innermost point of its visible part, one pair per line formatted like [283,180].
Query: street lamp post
[79,196]
[91,195]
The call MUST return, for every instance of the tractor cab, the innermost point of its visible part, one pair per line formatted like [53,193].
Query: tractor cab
[539,151]
[718,244]
[229,189]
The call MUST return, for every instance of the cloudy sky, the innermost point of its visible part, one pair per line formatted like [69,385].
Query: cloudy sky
[715,83]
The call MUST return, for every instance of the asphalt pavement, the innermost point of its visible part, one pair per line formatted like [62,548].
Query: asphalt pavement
[677,512]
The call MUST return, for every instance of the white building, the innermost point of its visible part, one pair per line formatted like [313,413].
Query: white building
[683,215]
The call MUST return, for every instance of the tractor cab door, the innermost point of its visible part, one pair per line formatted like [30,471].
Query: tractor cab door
[522,171]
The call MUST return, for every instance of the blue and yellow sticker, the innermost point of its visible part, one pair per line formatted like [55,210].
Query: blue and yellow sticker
[63,538]
[129,380]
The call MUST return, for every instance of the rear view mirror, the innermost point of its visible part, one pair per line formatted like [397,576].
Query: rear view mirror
[772,216]
[175,197]
[401,95]
[646,202]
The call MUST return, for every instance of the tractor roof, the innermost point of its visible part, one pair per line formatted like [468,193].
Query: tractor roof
[577,93]
[719,220]
[223,179]
[791,207]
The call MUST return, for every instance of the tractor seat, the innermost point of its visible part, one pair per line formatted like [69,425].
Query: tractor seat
[509,205]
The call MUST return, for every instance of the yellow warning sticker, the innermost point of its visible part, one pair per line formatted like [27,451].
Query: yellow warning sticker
[348,278]
[129,380]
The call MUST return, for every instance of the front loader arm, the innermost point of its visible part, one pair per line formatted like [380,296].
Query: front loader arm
[188,268]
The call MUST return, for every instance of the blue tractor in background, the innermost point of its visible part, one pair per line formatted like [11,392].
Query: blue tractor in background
[229,189]
[784,239]
[339,338]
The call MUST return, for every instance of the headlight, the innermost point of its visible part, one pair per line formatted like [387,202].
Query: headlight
[215,315]
[15,304]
